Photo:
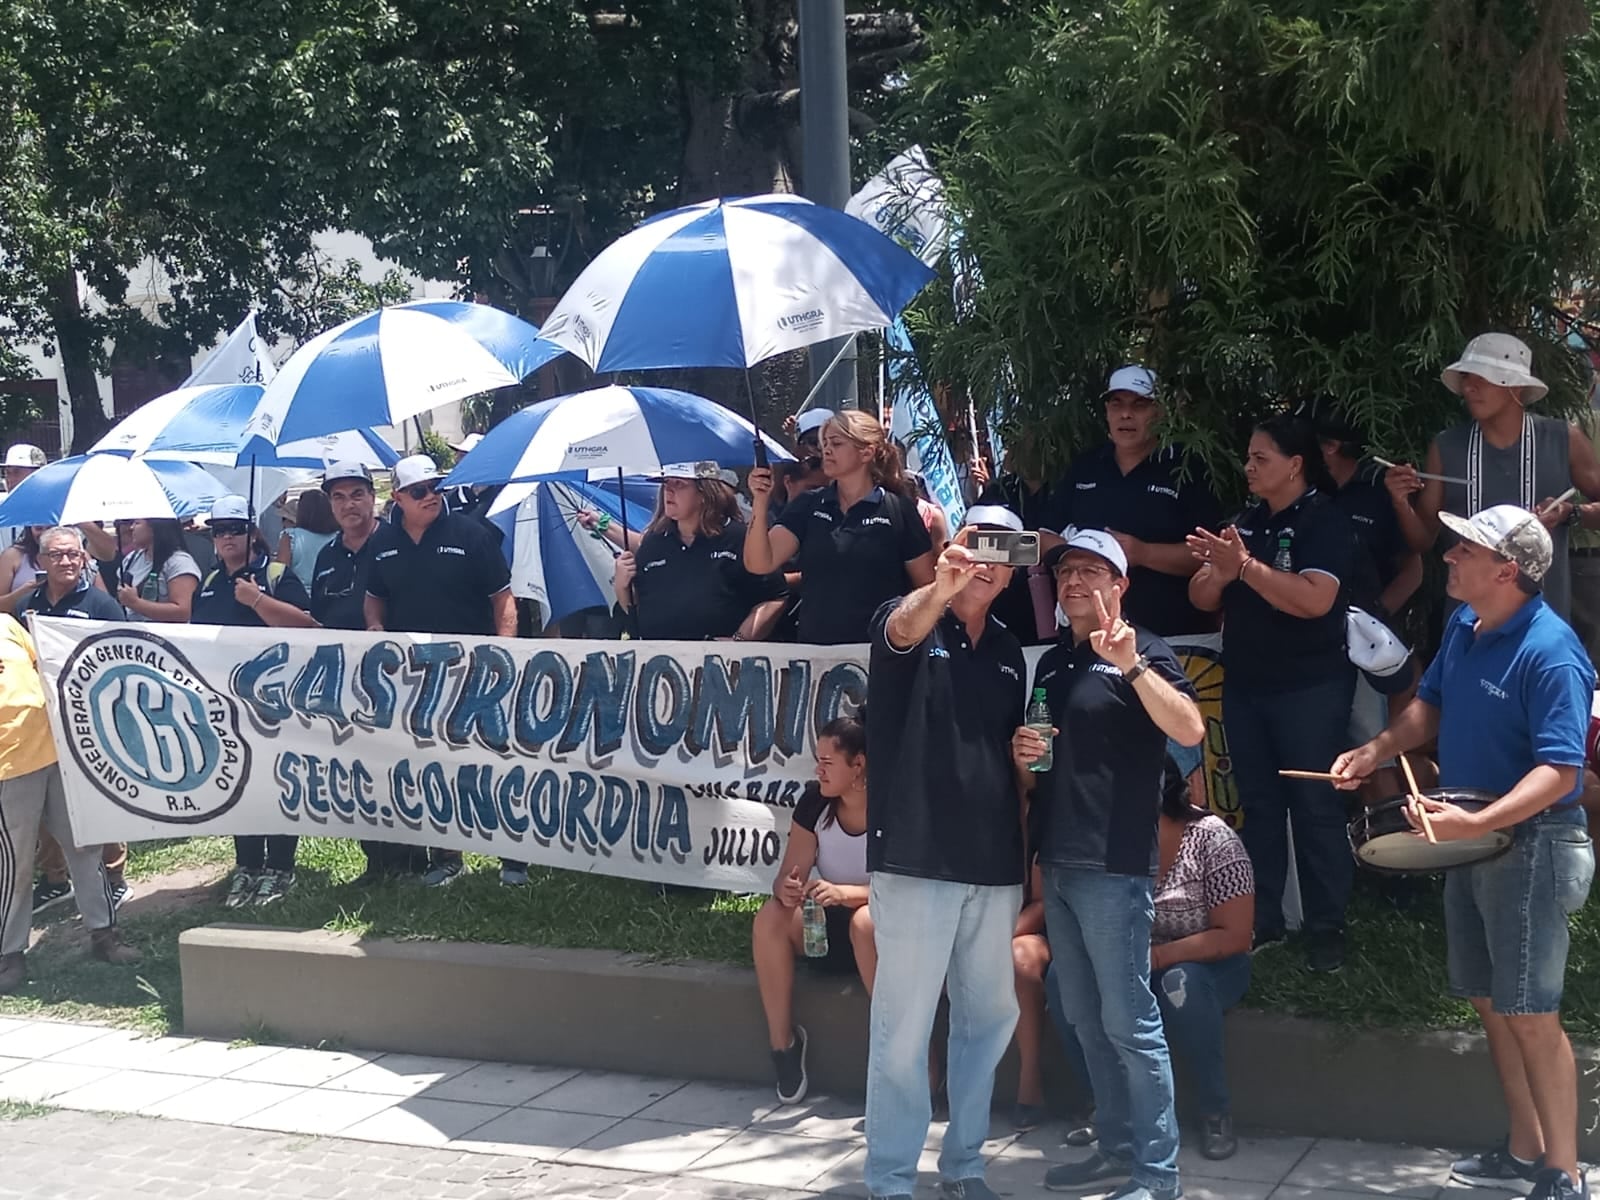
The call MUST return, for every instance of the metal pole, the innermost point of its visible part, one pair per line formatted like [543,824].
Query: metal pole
[825,136]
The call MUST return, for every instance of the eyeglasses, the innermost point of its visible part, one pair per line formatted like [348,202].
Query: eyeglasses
[420,491]
[60,555]
[1088,573]
[224,529]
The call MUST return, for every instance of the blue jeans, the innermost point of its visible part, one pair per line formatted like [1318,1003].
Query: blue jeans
[1302,729]
[1099,930]
[1193,998]
[930,932]
[1505,920]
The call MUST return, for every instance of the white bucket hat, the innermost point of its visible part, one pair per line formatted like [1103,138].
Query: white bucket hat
[1503,360]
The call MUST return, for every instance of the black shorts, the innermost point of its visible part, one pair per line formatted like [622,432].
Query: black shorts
[841,956]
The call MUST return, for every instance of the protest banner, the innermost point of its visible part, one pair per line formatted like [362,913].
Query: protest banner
[677,762]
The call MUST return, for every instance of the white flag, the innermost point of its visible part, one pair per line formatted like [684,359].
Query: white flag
[240,359]
[906,201]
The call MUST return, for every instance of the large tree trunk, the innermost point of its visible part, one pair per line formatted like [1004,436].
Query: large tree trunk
[75,343]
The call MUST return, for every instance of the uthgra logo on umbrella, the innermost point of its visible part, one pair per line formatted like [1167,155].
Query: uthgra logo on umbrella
[152,736]
[445,383]
[801,322]
[588,450]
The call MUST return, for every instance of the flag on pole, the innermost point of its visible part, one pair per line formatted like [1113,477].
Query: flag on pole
[240,359]
[917,426]
[906,201]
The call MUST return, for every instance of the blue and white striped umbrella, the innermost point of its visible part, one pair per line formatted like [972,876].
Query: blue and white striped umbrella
[109,487]
[729,283]
[207,425]
[637,430]
[556,561]
[392,364]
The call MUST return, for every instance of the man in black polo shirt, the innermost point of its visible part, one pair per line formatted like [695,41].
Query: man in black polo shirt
[944,829]
[1116,694]
[1135,488]
[338,599]
[434,572]
[68,590]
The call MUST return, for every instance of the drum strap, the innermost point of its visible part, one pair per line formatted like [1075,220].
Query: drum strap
[1527,467]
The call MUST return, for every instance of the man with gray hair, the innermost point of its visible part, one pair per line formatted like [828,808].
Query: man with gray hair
[1508,697]
[69,590]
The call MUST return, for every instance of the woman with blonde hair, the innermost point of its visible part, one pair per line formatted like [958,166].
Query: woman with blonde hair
[859,538]
[685,581]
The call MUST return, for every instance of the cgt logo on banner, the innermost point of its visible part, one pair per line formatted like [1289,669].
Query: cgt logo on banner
[658,761]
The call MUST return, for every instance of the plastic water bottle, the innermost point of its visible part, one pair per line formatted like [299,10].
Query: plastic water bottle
[1038,719]
[814,922]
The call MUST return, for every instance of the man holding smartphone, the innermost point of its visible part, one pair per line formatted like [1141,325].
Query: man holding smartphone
[1116,693]
[944,848]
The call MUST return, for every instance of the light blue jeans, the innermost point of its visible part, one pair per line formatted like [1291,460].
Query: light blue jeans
[930,932]
[1099,929]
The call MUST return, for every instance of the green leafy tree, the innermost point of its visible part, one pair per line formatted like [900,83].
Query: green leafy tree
[1263,202]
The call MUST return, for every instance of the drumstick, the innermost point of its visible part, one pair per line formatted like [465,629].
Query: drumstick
[1561,499]
[1384,462]
[1329,776]
[1416,800]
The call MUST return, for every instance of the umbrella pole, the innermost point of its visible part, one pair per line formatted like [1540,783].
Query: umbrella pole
[631,621]
[122,571]
[755,420]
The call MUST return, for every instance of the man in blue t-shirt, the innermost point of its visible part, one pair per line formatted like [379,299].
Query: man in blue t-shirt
[1509,697]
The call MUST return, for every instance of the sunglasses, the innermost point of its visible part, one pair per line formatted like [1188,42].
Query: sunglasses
[420,491]
[229,529]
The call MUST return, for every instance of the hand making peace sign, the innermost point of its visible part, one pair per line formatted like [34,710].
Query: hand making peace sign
[1115,640]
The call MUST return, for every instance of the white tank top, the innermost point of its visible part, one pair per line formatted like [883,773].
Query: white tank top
[841,856]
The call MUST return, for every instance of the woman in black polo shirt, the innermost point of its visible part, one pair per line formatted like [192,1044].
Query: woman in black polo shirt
[1280,576]
[245,589]
[860,540]
[686,581]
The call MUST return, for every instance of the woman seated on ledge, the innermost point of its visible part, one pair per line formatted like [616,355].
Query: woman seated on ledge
[829,834]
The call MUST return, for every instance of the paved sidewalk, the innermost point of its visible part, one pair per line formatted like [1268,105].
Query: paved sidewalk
[210,1121]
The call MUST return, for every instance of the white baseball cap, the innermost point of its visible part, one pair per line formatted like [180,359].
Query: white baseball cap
[692,470]
[1503,360]
[415,468]
[1095,541]
[1511,532]
[229,508]
[345,470]
[1137,380]
[812,418]
[24,455]
[993,516]
[467,444]
[1372,645]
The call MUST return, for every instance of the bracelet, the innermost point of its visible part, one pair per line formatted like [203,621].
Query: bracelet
[260,596]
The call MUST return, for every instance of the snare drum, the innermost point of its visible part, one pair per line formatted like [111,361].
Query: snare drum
[1381,838]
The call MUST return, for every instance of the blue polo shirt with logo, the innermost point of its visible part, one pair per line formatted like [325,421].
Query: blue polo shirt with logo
[1509,699]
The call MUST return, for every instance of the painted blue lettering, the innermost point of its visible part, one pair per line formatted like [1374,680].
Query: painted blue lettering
[532,729]
[616,810]
[641,823]
[402,787]
[794,685]
[319,687]
[600,706]
[429,661]
[316,780]
[842,689]
[672,828]
[263,699]
[436,795]
[475,799]
[544,807]
[287,772]
[509,795]
[577,827]
[479,708]
[339,796]
[736,699]
[361,779]
[372,685]
[661,674]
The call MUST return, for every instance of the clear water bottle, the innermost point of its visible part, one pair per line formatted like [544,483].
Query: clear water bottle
[1038,719]
[814,922]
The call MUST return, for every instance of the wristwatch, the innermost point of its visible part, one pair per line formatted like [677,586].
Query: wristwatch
[1140,666]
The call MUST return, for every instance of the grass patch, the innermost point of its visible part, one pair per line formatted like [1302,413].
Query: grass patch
[1395,976]
[23,1110]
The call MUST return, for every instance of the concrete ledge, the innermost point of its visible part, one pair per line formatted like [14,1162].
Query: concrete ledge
[599,1009]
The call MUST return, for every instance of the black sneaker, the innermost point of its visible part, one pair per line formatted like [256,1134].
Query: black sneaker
[1552,1183]
[1216,1138]
[1093,1174]
[120,891]
[48,895]
[1325,951]
[790,1067]
[1495,1168]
